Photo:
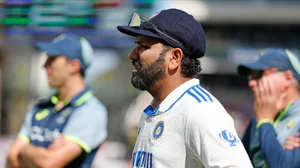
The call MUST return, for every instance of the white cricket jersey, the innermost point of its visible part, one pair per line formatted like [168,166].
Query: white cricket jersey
[189,129]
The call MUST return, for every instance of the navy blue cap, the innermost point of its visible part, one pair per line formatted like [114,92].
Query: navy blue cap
[279,58]
[177,24]
[71,46]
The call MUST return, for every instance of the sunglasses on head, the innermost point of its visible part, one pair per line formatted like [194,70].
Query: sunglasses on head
[137,19]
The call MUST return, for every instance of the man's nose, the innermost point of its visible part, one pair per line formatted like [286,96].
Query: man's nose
[133,55]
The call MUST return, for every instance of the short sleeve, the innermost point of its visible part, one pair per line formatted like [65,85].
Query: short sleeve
[26,127]
[212,139]
[87,126]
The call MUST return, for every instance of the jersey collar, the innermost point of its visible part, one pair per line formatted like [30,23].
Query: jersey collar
[172,98]
[290,109]
[77,100]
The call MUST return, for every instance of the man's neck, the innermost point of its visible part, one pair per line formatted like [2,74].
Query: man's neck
[161,89]
[71,89]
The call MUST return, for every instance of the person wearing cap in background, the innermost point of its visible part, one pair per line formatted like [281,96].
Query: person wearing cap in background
[66,129]
[185,126]
[274,79]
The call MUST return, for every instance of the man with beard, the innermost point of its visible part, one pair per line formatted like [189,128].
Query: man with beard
[184,126]
[66,129]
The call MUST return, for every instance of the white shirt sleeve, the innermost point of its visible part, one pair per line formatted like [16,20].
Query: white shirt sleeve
[212,140]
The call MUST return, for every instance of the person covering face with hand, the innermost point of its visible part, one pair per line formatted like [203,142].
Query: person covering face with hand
[274,79]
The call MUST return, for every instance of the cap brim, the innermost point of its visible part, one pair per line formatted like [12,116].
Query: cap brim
[245,69]
[49,48]
[137,30]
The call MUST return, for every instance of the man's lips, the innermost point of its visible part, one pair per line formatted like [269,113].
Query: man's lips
[136,66]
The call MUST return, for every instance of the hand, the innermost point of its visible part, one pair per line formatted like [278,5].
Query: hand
[266,102]
[292,142]
[57,143]
[24,162]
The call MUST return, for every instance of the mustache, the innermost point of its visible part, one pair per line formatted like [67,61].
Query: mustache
[137,64]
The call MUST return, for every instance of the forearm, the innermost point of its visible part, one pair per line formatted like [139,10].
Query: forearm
[56,156]
[26,163]
[12,157]
[32,156]
[275,155]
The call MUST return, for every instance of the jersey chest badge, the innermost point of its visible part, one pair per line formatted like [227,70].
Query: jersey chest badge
[291,124]
[62,118]
[158,130]
[41,115]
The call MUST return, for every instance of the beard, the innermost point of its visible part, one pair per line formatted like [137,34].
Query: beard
[148,74]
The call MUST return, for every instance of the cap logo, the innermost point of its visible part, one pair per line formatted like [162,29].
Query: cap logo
[261,52]
[59,38]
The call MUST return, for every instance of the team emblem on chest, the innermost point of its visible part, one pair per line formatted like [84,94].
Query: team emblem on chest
[158,130]
[62,118]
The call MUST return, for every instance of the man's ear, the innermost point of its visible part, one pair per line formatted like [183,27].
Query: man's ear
[176,57]
[289,76]
[75,64]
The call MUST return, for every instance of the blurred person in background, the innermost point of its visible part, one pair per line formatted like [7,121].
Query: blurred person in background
[132,117]
[66,129]
[184,125]
[274,79]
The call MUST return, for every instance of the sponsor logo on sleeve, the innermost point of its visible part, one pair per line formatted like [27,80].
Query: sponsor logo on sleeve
[228,137]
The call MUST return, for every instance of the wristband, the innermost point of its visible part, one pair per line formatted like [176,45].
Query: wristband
[265,120]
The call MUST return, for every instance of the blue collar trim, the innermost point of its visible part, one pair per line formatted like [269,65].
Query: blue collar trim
[149,110]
